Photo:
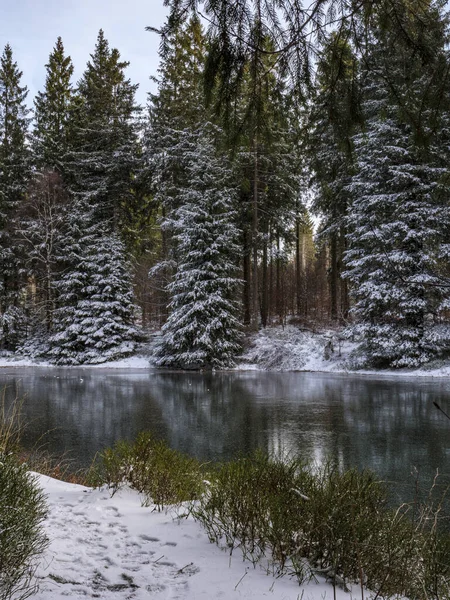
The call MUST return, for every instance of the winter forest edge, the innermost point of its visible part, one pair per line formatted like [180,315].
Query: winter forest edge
[274,177]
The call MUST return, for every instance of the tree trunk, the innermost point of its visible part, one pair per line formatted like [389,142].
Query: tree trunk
[264,291]
[298,268]
[334,277]
[247,279]
[255,283]
[345,300]
[278,283]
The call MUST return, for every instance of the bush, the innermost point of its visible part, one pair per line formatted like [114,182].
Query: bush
[164,476]
[346,514]
[22,541]
[327,523]
[296,520]
[259,505]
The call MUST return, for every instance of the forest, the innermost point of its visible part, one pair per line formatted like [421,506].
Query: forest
[291,166]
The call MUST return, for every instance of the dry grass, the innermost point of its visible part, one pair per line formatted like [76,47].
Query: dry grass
[11,424]
[38,459]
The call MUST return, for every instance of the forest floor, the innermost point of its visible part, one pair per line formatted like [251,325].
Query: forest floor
[113,548]
[288,348]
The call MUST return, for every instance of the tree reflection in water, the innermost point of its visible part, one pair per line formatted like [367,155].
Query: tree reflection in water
[388,425]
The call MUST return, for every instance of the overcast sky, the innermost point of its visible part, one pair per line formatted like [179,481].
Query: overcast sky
[32,26]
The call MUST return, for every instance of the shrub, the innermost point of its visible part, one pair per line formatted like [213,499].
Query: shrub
[299,521]
[346,512]
[258,504]
[326,522]
[164,476]
[22,541]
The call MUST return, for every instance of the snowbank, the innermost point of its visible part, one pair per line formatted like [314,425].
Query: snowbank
[132,362]
[273,349]
[291,349]
[112,548]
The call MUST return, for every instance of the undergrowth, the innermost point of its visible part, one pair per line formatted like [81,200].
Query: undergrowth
[163,476]
[308,523]
[295,520]
[22,511]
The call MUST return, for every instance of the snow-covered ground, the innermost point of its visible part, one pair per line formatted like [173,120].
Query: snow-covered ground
[275,349]
[112,548]
[132,362]
[291,349]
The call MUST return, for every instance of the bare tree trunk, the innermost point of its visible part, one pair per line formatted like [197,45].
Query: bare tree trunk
[49,298]
[247,279]
[278,290]
[345,300]
[298,268]
[334,277]
[255,283]
[264,291]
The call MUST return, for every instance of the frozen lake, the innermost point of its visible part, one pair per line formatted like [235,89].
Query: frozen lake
[386,424]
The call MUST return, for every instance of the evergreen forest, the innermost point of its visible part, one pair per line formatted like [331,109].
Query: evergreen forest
[291,166]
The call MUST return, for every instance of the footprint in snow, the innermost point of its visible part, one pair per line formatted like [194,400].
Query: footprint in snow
[148,538]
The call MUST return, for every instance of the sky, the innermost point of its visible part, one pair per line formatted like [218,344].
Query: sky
[32,26]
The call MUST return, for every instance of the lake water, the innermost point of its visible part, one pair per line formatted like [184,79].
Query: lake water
[386,424]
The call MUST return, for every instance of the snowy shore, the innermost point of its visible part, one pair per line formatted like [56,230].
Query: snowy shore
[112,548]
[274,349]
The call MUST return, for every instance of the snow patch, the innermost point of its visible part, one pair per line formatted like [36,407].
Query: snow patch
[112,548]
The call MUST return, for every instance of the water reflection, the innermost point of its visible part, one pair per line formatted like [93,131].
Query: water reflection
[388,425]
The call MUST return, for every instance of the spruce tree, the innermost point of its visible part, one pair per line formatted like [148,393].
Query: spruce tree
[94,316]
[93,320]
[399,216]
[202,330]
[14,175]
[42,230]
[106,157]
[52,113]
[177,107]
[334,117]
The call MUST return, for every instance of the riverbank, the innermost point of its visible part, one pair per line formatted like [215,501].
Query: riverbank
[113,548]
[279,349]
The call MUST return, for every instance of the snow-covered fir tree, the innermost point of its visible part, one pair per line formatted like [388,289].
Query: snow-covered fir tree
[334,115]
[106,156]
[14,176]
[399,217]
[203,330]
[94,318]
[176,107]
[94,315]
[53,113]
[42,229]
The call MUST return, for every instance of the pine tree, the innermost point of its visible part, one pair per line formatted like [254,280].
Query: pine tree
[14,175]
[106,136]
[53,112]
[202,330]
[42,229]
[399,217]
[94,318]
[334,117]
[177,107]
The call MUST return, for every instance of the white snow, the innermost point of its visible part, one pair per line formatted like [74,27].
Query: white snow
[112,548]
[273,349]
[131,362]
[292,349]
